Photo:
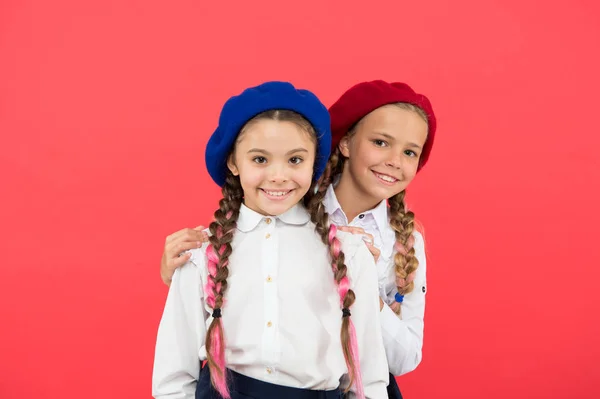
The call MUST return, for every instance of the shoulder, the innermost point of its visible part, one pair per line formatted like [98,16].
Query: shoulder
[197,262]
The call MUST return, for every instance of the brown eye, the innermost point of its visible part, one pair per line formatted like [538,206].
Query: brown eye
[295,160]
[259,159]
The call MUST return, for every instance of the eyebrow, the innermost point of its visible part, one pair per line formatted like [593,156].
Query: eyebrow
[392,138]
[261,151]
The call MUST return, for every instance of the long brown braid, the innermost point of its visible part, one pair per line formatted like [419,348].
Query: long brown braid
[314,203]
[403,223]
[222,230]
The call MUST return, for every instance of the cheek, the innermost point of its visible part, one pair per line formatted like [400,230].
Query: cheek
[411,171]
[366,155]
[250,177]
[303,175]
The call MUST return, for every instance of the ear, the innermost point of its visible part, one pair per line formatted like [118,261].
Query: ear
[343,146]
[231,166]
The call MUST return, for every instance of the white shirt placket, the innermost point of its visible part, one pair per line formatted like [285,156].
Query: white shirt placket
[270,339]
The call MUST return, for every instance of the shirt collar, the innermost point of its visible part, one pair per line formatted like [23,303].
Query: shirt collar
[249,219]
[331,202]
[379,213]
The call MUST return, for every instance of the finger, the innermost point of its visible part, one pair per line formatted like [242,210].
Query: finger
[203,236]
[181,247]
[187,232]
[352,229]
[376,254]
[368,238]
[374,251]
[174,263]
[188,236]
[358,230]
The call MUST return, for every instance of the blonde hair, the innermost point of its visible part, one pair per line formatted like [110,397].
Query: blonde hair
[401,219]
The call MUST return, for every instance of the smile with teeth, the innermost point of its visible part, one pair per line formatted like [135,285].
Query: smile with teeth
[386,178]
[276,194]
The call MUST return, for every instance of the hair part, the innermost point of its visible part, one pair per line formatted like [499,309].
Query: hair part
[281,115]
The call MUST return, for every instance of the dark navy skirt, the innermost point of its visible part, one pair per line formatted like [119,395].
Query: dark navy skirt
[393,389]
[242,387]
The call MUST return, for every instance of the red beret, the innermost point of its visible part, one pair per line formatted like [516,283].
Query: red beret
[365,97]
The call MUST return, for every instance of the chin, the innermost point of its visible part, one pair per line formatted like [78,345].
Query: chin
[278,208]
[382,194]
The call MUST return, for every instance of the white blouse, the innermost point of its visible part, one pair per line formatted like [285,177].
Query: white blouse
[282,315]
[402,335]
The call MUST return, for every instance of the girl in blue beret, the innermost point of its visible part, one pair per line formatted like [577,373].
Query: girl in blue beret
[278,303]
[382,135]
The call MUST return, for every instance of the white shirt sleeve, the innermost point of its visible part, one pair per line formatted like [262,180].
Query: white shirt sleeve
[373,362]
[181,334]
[403,335]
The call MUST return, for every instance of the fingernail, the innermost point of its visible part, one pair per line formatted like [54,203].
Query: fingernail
[367,239]
[199,244]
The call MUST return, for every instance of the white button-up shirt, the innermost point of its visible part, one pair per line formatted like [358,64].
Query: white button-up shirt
[282,315]
[402,335]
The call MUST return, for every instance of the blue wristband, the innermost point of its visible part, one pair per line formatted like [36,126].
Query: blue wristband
[399,298]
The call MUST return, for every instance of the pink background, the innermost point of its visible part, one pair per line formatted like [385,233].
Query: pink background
[105,108]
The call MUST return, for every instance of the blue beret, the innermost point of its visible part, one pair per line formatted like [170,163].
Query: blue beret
[268,96]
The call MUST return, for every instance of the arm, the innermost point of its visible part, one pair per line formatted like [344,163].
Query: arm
[365,315]
[181,334]
[403,334]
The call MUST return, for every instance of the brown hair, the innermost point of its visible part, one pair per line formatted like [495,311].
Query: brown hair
[222,230]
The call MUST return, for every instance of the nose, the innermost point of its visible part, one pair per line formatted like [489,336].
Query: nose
[278,174]
[396,160]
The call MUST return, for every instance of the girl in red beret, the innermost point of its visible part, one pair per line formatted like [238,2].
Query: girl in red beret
[382,135]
